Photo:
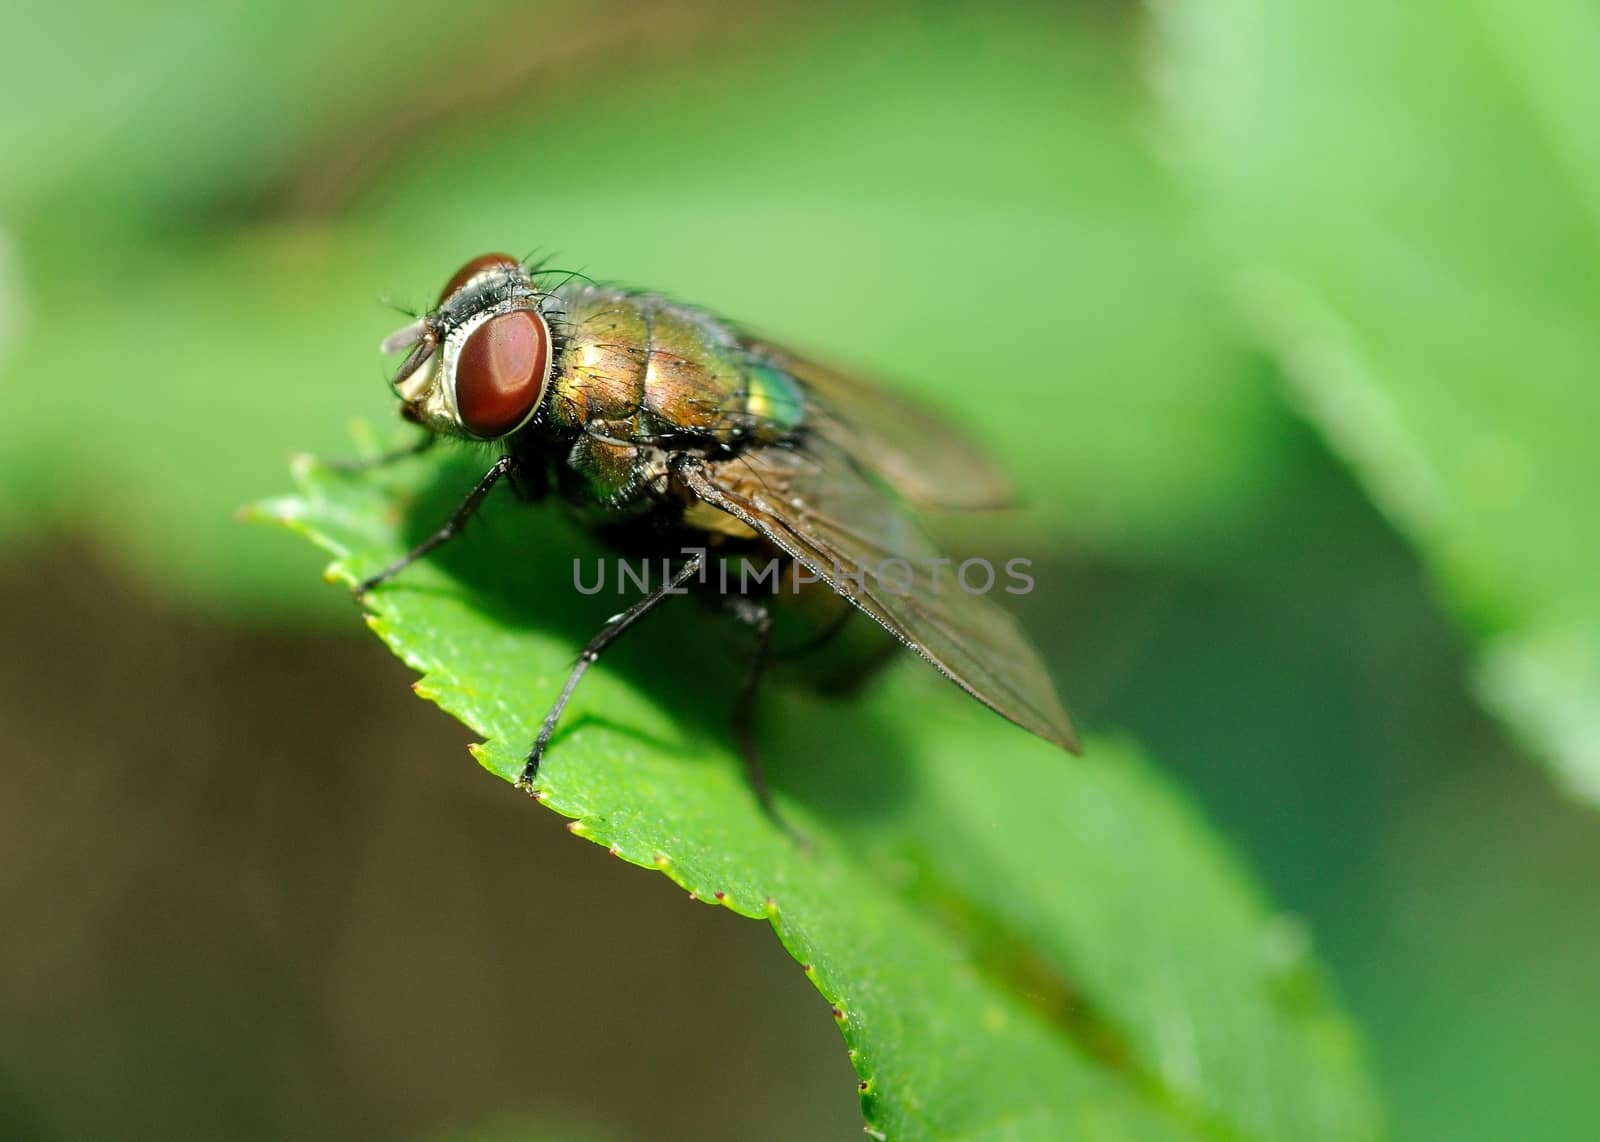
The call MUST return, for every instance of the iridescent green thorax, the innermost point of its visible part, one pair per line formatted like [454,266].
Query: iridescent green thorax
[650,370]
[637,373]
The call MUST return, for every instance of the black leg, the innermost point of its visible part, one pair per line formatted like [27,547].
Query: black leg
[590,653]
[451,527]
[744,709]
[744,702]
[366,463]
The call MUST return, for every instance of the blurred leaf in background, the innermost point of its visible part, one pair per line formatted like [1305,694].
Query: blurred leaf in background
[1412,197]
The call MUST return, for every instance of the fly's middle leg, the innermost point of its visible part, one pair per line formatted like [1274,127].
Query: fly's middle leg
[591,653]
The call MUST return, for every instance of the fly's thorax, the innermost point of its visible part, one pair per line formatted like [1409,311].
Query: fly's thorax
[600,470]
[693,382]
[604,352]
[650,370]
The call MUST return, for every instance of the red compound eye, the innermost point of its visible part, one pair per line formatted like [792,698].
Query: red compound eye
[473,268]
[501,372]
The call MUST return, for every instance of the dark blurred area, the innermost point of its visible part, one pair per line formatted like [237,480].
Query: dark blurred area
[263,892]
[254,888]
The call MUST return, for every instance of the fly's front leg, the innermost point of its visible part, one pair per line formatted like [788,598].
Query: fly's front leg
[452,526]
[530,482]
[367,463]
[591,653]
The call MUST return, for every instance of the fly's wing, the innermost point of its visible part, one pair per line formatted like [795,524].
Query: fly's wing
[815,505]
[915,451]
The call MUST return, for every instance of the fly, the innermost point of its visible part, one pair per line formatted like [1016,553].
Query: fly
[668,430]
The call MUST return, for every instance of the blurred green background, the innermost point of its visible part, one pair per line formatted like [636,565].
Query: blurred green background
[1286,318]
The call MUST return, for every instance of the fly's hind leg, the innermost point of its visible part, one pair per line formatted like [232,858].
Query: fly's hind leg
[759,618]
[749,611]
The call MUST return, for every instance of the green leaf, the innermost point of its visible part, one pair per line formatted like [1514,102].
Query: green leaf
[1412,193]
[1015,943]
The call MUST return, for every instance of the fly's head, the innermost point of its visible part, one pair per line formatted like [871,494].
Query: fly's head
[478,364]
